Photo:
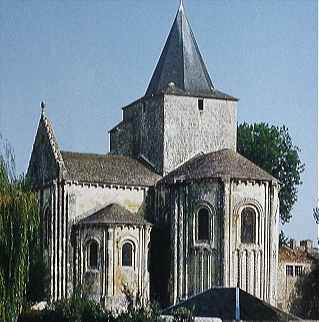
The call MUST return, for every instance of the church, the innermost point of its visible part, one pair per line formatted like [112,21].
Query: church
[172,209]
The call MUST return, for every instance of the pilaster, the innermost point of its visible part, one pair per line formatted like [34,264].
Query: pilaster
[226,237]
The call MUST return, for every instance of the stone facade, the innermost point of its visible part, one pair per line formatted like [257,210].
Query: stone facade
[166,130]
[223,259]
[172,210]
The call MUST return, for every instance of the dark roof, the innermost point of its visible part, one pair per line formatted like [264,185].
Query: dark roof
[114,214]
[296,255]
[221,303]
[108,169]
[217,165]
[181,64]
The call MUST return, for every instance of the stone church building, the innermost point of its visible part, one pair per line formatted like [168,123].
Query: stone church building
[172,210]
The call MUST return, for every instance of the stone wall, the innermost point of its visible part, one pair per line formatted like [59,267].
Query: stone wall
[287,284]
[167,130]
[253,266]
[188,131]
[224,260]
[122,139]
[110,282]
[85,199]
[194,266]
[140,135]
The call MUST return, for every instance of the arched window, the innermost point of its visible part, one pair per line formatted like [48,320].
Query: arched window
[93,254]
[127,254]
[203,224]
[248,225]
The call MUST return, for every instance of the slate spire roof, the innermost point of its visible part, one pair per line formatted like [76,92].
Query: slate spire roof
[181,65]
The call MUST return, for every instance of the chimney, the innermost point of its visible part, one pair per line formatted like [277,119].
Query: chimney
[293,243]
[307,244]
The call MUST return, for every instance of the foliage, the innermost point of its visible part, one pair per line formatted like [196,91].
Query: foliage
[75,309]
[283,239]
[81,309]
[183,314]
[271,148]
[306,298]
[18,221]
[141,314]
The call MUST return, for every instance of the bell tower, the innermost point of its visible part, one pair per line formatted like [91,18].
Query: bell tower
[182,113]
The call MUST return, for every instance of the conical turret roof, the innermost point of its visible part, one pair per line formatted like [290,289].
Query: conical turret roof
[181,68]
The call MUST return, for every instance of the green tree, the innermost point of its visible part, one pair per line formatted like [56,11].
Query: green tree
[18,222]
[306,298]
[271,148]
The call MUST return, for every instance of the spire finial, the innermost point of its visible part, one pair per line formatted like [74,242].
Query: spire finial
[181,7]
[42,107]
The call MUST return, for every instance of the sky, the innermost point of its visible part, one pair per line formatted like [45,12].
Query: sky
[87,59]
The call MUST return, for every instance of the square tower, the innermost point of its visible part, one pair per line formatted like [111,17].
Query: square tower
[181,114]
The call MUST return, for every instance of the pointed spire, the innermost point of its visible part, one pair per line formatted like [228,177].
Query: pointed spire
[181,66]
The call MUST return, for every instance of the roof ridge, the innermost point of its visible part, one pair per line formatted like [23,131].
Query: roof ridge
[52,138]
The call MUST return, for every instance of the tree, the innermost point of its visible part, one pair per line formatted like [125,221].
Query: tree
[271,148]
[306,298]
[19,221]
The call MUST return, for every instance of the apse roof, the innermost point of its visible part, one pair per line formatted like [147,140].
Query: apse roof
[114,214]
[181,68]
[217,164]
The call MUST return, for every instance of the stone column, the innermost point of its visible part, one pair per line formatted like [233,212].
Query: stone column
[110,259]
[226,213]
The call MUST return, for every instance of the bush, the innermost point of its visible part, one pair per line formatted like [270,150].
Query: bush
[183,314]
[75,309]
[80,309]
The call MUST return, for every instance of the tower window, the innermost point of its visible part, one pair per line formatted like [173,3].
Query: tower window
[248,225]
[200,104]
[93,254]
[127,254]
[203,224]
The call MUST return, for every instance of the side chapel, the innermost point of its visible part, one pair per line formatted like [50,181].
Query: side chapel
[172,210]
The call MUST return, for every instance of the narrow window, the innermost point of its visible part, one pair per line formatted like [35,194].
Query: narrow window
[127,254]
[203,224]
[93,254]
[200,104]
[298,270]
[248,225]
[47,227]
[289,270]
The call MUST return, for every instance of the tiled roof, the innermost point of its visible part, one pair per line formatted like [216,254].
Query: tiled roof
[181,69]
[296,255]
[221,303]
[108,169]
[114,214]
[217,164]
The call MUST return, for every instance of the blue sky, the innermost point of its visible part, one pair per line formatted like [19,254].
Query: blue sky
[87,59]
